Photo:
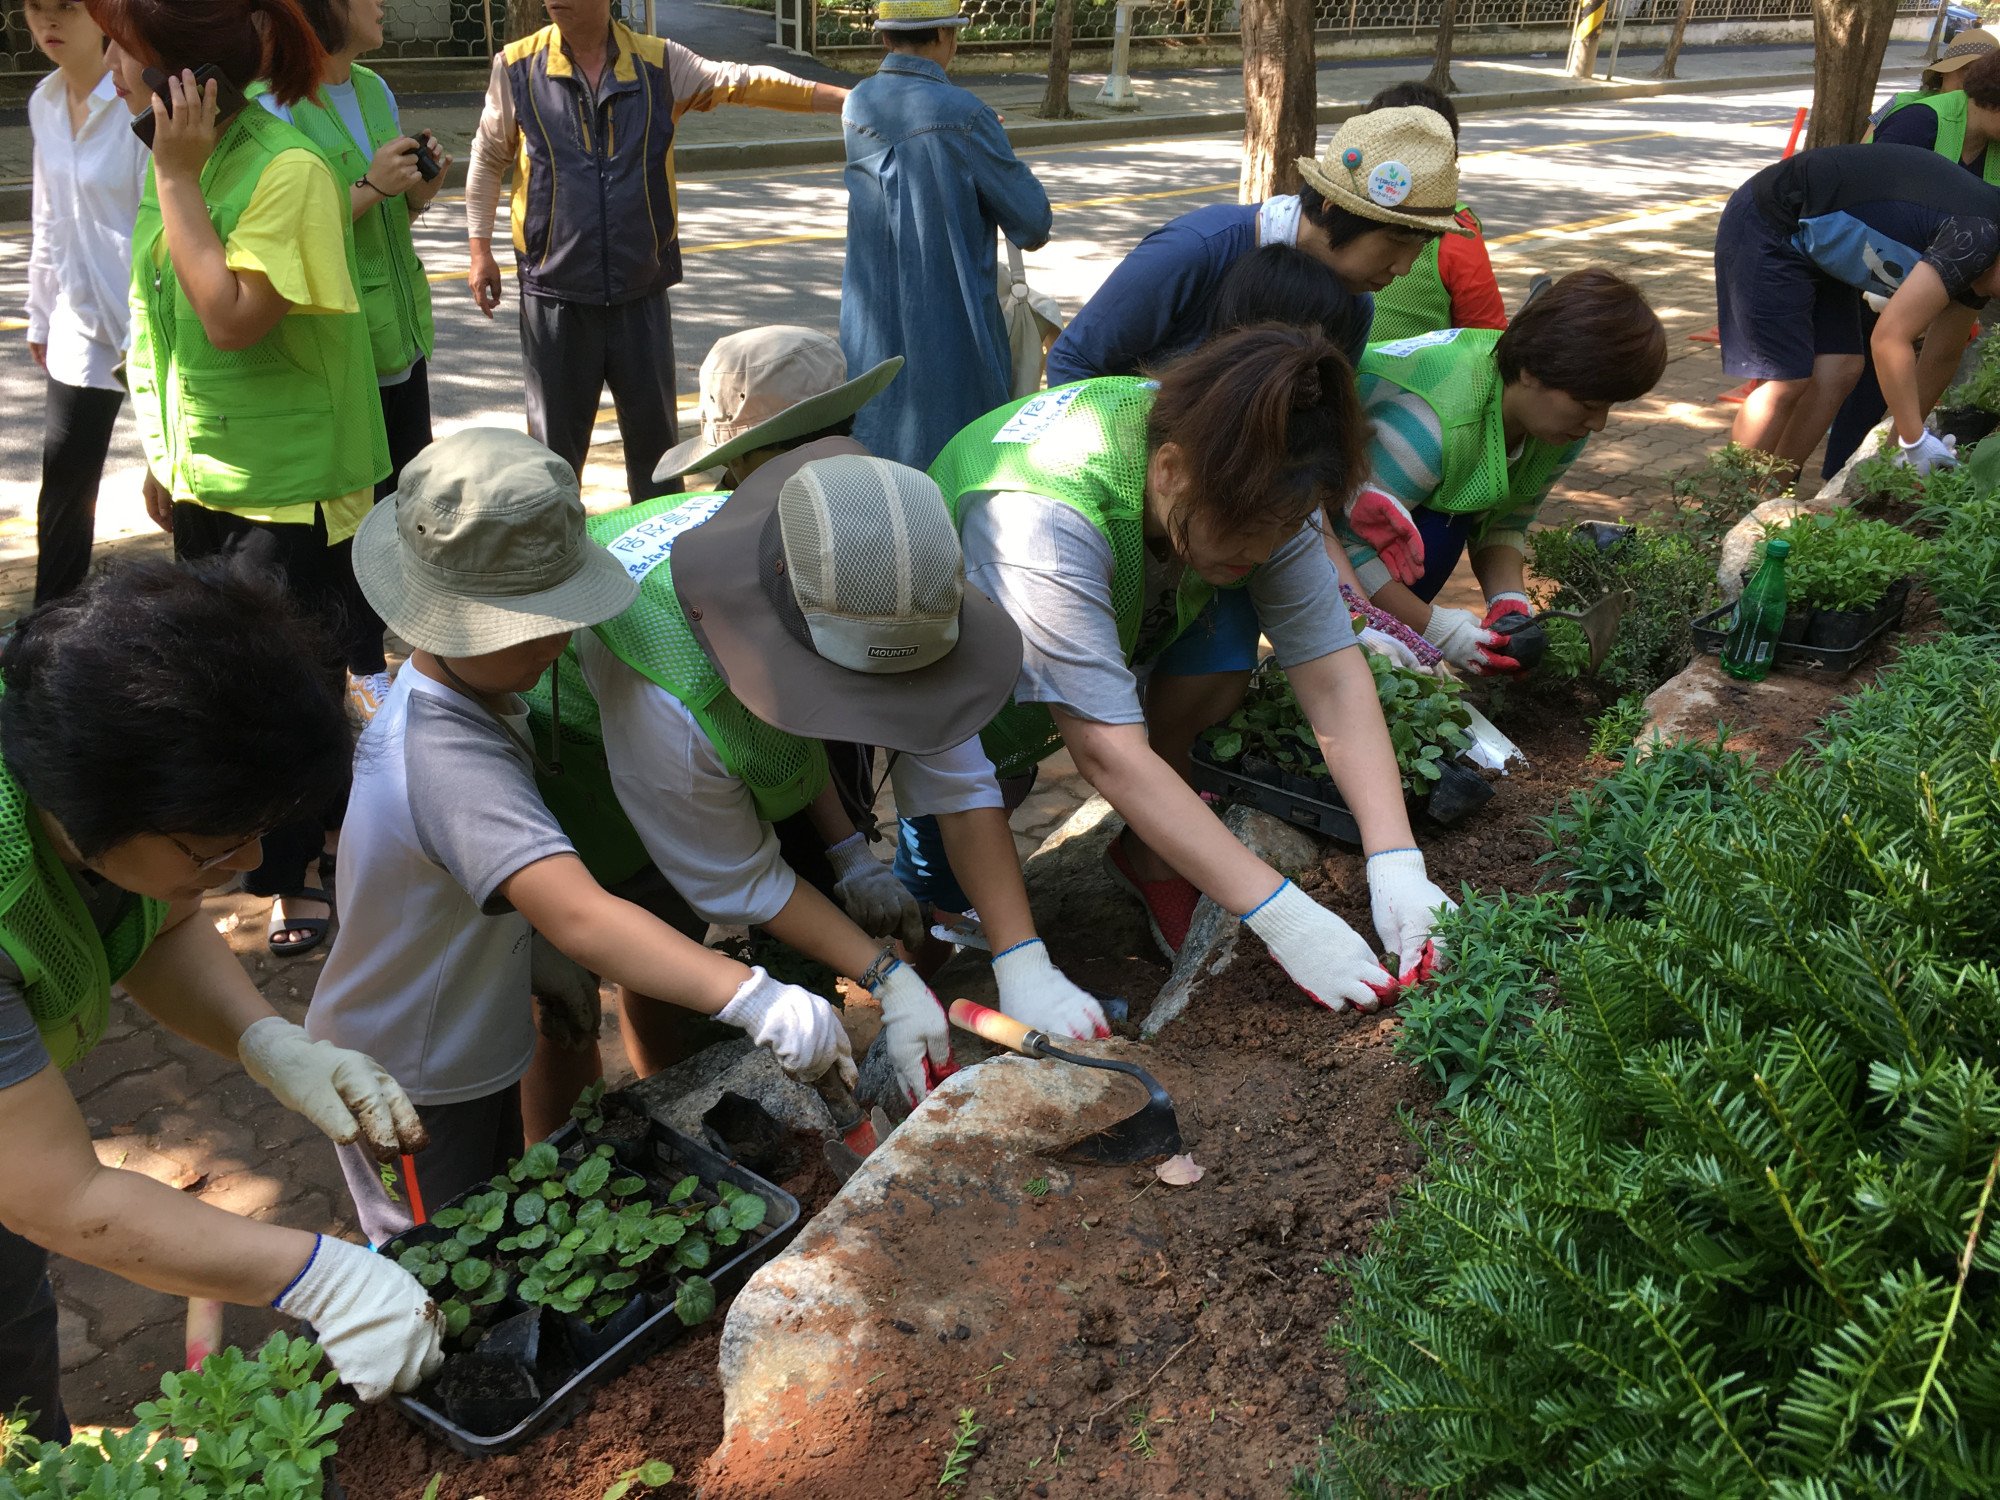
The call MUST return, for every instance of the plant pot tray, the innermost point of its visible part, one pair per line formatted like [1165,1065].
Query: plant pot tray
[1832,640]
[1315,805]
[575,1359]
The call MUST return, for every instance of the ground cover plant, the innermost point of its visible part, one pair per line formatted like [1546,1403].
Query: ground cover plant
[1842,560]
[1427,719]
[1723,1225]
[1670,575]
[259,1428]
[1734,481]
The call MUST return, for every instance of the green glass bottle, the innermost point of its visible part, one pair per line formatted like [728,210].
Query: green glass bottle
[1752,644]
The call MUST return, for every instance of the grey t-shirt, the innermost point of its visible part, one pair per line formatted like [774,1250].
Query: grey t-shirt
[1044,563]
[22,1054]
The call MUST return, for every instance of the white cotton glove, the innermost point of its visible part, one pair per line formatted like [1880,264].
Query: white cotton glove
[801,1028]
[880,904]
[345,1093]
[1405,905]
[1036,993]
[919,1035]
[572,1010]
[1463,640]
[1323,955]
[1928,452]
[1384,644]
[379,1327]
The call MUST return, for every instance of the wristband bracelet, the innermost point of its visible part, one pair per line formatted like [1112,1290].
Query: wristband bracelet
[878,971]
[362,181]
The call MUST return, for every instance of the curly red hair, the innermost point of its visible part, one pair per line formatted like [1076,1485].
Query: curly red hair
[247,39]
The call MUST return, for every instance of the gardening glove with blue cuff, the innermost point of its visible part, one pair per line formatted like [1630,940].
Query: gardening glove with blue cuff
[379,1327]
[572,1009]
[1323,955]
[1467,644]
[1928,452]
[919,1036]
[797,1025]
[880,904]
[1405,905]
[1035,992]
[347,1094]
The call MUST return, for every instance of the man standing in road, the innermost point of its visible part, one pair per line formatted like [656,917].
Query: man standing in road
[584,111]
[930,176]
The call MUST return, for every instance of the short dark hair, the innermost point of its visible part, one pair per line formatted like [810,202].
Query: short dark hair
[1415,94]
[1982,81]
[328,19]
[1591,334]
[1283,284]
[246,39]
[904,41]
[1270,423]
[1343,227]
[183,698]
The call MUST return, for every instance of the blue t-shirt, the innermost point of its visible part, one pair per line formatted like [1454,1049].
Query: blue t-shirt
[1866,215]
[1155,303]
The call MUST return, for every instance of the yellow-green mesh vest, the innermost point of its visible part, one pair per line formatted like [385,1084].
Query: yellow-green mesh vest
[1453,371]
[1417,303]
[295,418]
[784,772]
[1950,111]
[1085,445]
[395,297]
[66,968]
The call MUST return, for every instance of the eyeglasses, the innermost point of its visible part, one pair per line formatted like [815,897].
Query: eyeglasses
[209,862]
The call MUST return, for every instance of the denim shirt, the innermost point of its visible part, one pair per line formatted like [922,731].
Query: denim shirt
[930,175]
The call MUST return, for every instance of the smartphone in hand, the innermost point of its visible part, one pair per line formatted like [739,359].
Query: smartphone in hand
[142,123]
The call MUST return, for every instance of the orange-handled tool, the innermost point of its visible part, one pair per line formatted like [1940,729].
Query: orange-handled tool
[1151,1133]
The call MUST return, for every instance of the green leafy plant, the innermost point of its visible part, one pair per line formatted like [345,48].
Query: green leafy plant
[1963,505]
[1982,389]
[1037,1187]
[654,1473]
[1671,578]
[964,1448]
[1427,721]
[1732,483]
[1879,481]
[1844,561]
[1728,1228]
[1616,728]
[259,1428]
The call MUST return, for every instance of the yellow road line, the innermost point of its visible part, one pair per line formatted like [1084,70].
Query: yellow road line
[1627,217]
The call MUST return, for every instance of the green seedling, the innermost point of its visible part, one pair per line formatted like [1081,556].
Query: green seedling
[1616,728]
[964,1447]
[1844,561]
[654,1474]
[1038,1187]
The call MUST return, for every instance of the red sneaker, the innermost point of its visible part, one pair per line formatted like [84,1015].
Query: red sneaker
[1169,903]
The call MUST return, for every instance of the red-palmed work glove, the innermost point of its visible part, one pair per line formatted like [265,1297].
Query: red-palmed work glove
[801,1029]
[1385,523]
[919,1035]
[1467,644]
[1036,993]
[1323,955]
[1406,906]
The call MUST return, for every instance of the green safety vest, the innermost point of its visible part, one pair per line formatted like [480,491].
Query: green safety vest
[395,297]
[1085,445]
[1417,303]
[1950,111]
[784,772]
[295,418]
[1453,371]
[66,968]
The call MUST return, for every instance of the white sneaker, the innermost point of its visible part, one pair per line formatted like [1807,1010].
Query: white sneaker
[365,695]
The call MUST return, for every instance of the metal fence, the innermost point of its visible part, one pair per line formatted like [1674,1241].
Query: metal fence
[458,28]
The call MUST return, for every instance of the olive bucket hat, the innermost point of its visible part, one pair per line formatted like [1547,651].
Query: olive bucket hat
[482,547]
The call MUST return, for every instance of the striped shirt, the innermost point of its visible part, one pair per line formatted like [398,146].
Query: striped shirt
[1406,457]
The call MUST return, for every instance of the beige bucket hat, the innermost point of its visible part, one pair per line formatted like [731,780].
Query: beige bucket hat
[483,547]
[1966,49]
[767,386]
[1396,166]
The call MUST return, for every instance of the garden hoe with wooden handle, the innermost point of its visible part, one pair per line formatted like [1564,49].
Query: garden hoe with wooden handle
[1599,622]
[1152,1133]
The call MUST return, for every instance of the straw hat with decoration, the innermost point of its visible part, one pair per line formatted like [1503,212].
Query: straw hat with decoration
[917,15]
[1396,166]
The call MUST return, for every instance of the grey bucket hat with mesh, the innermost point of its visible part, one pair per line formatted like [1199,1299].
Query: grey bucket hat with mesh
[830,593]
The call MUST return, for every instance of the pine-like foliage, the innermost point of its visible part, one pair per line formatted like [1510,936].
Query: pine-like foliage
[1727,1229]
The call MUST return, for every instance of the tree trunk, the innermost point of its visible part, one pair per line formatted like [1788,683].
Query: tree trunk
[1583,42]
[1055,98]
[1280,96]
[525,18]
[1440,78]
[1849,38]
[1666,67]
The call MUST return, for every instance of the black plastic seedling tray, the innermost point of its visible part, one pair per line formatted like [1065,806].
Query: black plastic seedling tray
[573,1360]
[1833,640]
[1315,805]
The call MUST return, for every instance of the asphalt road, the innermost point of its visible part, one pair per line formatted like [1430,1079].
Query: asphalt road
[765,247]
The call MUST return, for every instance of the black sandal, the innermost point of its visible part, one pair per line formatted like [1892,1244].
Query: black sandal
[314,928]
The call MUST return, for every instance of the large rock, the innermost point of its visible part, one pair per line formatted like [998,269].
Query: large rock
[1076,905]
[1211,939]
[682,1094]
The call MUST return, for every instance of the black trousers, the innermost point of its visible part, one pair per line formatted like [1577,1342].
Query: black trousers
[571,350]
[30,1363]
[406,412]
[321,580]
[76,435]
